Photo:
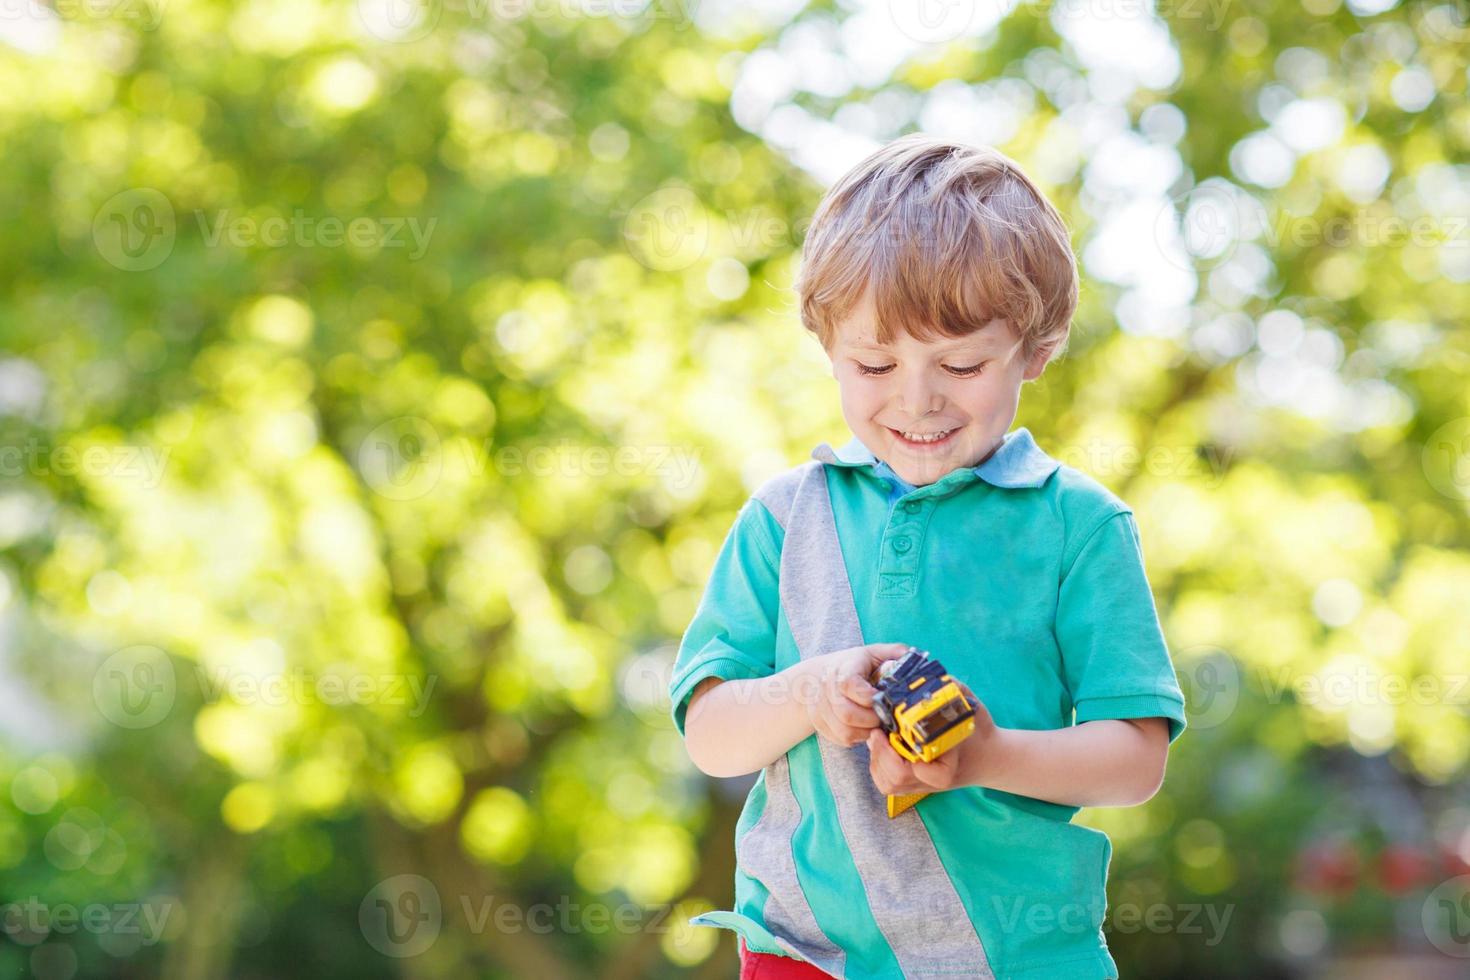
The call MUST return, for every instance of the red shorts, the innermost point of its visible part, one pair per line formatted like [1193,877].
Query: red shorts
[769,966]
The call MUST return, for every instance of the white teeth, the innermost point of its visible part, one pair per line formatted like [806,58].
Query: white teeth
[934,437]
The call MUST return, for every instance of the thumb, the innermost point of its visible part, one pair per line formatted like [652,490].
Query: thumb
[969,694]
[939,773]
[879,652]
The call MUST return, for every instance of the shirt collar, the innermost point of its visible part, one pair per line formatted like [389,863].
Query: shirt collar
[1019,462]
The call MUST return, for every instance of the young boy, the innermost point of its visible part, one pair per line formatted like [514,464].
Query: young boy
[938,279]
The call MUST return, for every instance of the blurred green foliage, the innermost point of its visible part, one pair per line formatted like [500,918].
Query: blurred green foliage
[377,392]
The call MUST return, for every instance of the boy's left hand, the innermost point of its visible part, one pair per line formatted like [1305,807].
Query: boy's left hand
[894,775]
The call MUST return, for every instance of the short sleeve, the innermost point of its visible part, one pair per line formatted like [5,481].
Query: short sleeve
[733,633]
[1114,657]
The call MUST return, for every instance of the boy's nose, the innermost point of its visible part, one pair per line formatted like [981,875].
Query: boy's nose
[919,399]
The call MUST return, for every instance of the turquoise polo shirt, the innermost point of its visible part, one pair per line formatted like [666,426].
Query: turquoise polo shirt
[1025,577]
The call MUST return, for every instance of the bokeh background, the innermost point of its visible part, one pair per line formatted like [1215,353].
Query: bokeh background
[379,381]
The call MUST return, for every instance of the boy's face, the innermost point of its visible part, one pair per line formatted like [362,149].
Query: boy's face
[929,388]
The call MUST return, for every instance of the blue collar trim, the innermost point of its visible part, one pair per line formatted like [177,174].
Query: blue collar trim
[1019,462]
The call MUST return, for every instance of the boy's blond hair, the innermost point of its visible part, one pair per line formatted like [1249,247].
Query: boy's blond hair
[949,237]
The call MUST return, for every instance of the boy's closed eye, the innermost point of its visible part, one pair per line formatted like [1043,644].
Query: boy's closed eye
[968,371]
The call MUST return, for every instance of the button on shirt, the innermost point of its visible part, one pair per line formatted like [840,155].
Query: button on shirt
[1025,577]
[895,483]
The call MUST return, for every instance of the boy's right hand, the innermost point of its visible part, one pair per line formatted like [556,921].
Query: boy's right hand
[842,710]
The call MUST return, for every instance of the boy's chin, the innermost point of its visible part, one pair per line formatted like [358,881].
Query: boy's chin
[919,472]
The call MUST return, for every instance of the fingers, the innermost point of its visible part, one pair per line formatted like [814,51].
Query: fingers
[894,774]
[843,715]
[835,717]
[856,688]
[854,715]
[843,722]
[889,771]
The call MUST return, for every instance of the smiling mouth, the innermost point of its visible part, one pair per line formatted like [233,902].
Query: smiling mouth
[925,440]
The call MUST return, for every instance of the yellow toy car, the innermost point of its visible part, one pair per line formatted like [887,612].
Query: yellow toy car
[923,710]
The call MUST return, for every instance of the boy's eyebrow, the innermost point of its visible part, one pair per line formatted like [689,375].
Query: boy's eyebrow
[962,344]
[986,336]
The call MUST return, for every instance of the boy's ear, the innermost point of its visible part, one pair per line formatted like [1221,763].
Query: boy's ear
[1038,363]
